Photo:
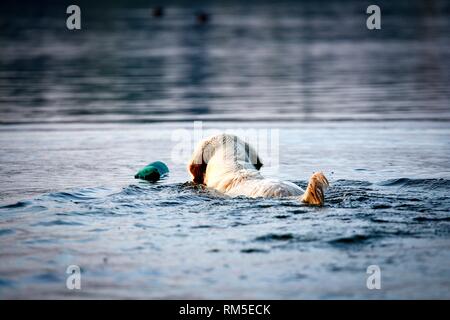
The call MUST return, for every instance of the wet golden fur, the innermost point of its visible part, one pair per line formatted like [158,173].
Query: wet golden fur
[231,166]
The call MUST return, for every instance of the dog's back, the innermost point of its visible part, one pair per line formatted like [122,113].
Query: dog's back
[226,163]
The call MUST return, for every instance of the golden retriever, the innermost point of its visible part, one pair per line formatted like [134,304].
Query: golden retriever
[231,166]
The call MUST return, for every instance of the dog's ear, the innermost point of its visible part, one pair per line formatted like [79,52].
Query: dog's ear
[198,172]
[197,165]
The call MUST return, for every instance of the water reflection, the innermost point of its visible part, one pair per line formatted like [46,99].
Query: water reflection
[290,60]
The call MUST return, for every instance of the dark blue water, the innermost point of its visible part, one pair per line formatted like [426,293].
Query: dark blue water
[175,241]
[69,197]
[81,112]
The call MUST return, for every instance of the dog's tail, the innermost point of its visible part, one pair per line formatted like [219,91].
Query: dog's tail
[315,192]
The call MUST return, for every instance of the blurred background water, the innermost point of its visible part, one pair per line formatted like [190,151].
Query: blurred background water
[82,111]
[251,61]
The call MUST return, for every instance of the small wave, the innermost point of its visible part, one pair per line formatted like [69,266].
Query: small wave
[431,219]
[298,211]
[71,196]
[377,220]
[422,183]
[4,232]
[57,223]
[132,190]
[354,239]
[282,216]
[264,205]
[360,239]
[254,250]
[276,237]
[19,204]
[381,206]
[286,238]
[203,226]
[353,183]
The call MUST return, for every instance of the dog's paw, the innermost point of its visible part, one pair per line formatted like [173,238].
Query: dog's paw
[315,192]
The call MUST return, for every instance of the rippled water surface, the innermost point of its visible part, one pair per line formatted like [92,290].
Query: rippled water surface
[69,197]
[81,112]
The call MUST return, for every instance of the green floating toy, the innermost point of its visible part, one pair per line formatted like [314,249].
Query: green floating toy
[152,172]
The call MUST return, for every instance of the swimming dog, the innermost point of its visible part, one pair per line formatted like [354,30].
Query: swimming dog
[231,166]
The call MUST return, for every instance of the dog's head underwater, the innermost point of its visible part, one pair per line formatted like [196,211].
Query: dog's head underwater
[226,163]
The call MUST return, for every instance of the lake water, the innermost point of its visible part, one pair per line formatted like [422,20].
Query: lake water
[81,112]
